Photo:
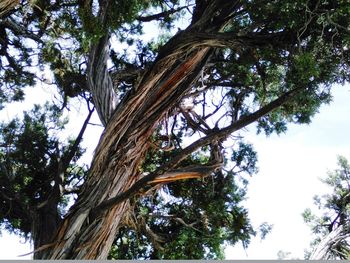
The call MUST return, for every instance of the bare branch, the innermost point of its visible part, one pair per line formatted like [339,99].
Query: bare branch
[189,172]
[160,15]
[193,124]
[64,162]
[178,219]
[215,135]
[73,149]
[19,30]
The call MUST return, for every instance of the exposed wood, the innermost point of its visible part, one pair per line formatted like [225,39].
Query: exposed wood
[328,243]
[7,5]
[89,229]
[118,156]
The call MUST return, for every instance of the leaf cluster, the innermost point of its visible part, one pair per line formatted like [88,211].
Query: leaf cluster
[30,154]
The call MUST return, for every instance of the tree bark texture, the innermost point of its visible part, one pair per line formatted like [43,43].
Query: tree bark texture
[45,221]
[6,6]
[120,152]
[323,251]
[116,162]
[85,234]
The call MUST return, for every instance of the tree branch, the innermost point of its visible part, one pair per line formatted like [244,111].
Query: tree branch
[233,40]
[189,172]
[99,80]
[20,31]
[64,162]
[322,250]
[178,219]
[160,15]
[175,160]
[73,149]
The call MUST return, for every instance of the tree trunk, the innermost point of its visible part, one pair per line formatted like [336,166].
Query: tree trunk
[120,152]
[85,233]
[123,145]
[46,221]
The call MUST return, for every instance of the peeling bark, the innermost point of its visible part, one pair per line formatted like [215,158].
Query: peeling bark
[324,249]
[120,152]
[87,233]
[7,6]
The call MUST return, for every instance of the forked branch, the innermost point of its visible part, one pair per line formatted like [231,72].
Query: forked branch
[166,171]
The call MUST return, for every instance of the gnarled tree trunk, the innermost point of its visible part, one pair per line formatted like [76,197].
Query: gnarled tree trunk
[116,162]
[90,227]
[122,147]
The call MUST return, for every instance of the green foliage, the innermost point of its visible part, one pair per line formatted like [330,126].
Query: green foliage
[316,58]
[197,221]
[29,156]
[191,219]
[335,211]
[14,73]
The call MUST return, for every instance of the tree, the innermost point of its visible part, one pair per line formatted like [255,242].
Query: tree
[332,227]
[35,164]
[237,63]
[196,219]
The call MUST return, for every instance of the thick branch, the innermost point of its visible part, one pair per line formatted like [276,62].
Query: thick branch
[192,39]
[19,31]
[325,246]
[158,177]
[233,40]
[189,172]
[99,81]
[214,136]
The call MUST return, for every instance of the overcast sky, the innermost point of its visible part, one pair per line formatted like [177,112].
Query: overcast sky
[290,166]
